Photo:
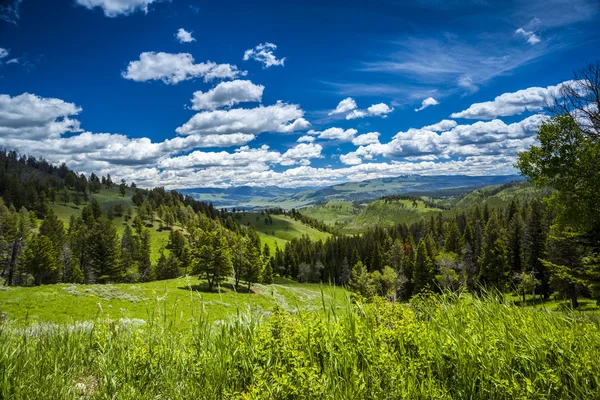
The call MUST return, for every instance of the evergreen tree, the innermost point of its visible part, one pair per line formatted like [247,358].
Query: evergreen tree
[104,251]
[423,270]
[40,259]
[535,243]
[493,262]
[453,240]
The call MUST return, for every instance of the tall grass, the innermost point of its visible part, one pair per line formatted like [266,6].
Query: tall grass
[435,347]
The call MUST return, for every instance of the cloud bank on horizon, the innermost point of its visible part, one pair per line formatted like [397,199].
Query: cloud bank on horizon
[221,114]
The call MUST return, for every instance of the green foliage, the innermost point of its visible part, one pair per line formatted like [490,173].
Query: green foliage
[40,259]
[567,161]
[435,347]
[361,281]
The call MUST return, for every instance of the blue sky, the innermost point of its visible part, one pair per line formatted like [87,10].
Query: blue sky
[295,93]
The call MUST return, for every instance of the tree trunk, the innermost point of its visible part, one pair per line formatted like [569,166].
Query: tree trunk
[13,262]
[573,298]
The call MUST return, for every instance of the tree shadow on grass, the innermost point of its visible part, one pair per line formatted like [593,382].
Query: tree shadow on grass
[224,287]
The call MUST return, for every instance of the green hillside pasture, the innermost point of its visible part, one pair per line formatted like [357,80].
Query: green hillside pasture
[336,213]
[522,192]
[182,300]
[388,213]
[440,347]
[282,230]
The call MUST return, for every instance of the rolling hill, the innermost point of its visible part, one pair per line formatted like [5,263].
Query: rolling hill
[268,197]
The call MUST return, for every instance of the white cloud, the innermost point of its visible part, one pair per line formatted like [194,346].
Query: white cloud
[365,139]
[115,8]
[244,157]
[174,68]
[350,159]
[184,36]
[348,104]
[379,109]
[28,116]
[39,126]
[335,134]
[227,94]
[443,125]
[507,104]
[180,144]
[263,53]
[355,114]
[280,117]
[301,153]
[430,101]
[3,53]
[306,139]
[13,61]
[529,36]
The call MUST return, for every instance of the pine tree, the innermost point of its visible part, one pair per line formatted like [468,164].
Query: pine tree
[535,247]
[54,229]
[143,257]
[104,252]
[493,263]
[40,259]
[453,241]
[423,271]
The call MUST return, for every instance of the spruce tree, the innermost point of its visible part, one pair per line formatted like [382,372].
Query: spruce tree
[40,259]
[104,252]
[493,263]
[423,270]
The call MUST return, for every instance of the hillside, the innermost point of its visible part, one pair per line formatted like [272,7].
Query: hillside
[390,212]
[500,195]
[335,213]
[248,197]
[281,230]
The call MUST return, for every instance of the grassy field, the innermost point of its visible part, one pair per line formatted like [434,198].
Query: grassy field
[387,213]
[440,347]
[282,230]
[335,213]
[182,300]
[489,195]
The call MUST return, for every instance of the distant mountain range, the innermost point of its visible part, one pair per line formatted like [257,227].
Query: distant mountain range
[272,196]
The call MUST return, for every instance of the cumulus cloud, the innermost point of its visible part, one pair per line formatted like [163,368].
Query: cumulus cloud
[47,127]
[441,126]
[28,116]
[227,94]
[306,139]
[366,139]
[379,109]
[115,8]
[481,138]
[355,114]
[531,99]
[256,159]
[430,101]
[280,117]
[263,53]
[184,36]
[335,134]
[174,68]
[344,106]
